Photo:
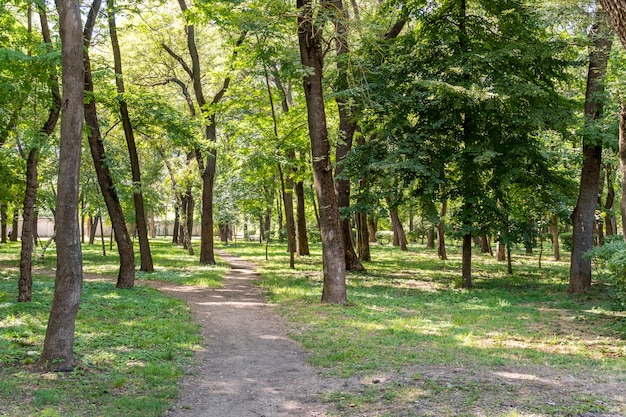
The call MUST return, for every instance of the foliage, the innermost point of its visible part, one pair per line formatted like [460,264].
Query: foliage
[610,259]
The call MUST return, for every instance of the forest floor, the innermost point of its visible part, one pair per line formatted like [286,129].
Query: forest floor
[250,367]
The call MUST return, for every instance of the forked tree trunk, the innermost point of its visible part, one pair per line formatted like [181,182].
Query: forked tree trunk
[126,273]
[399,237]
[334,267]
[25,283]
[58,346]
[584,212]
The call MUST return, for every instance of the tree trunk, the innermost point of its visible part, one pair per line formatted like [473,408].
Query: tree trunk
[93,228]
[347,127]
[622,162]
[309,37]
[301,232]
[610,200]
[399,238]
[207,253]
[3,222]
[126,273]
[554,230]
[441,231]
[315,210]
[176,224]
[363,244]
[430,240]
[140,213]
[584,212]
[57,351]
[30,196]
[466,263]
[372,226]
[500,251]
[288,206]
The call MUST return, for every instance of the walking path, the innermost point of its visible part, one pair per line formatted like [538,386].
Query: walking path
[249,367]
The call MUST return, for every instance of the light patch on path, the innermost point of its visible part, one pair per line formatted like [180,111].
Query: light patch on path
[249,366]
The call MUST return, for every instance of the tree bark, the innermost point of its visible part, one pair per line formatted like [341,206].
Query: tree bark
[430,241]
[15,225]
[622,162]
[334,267]
[584,212]
[301,232]
[58,352]
[399,237]
[372,226]
[466,262]
[3,223]
[30,196]
[554,230]
[126,273]
[441,231]
[140,213]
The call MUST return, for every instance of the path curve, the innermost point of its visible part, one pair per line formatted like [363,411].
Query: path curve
[249,366]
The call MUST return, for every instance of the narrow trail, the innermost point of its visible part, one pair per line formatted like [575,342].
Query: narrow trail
[249,367]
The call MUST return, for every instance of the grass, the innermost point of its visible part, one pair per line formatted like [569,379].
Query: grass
[131,344]
[432,349]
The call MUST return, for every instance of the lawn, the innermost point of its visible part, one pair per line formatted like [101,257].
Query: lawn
[410,343]
[131,344]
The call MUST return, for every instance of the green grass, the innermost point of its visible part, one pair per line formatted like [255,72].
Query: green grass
[131,344]
[405,318]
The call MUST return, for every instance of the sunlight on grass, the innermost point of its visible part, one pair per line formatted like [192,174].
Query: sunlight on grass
[405,313]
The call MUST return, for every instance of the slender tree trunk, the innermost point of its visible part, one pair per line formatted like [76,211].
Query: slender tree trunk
[288,206]
[610,200]
[3,223]
[441,231]
[554,230]
[30,196]
[622,162]
[309,37]
[176,223]
[584,212]
[399,237]
[140,212]
[466,263]
[126,273]
[93,228]
[15,225]
[57,351]
[315,210]
[301,232]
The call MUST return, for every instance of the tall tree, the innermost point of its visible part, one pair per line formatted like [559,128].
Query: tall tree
[583,216]
[126,273]
[311,56]
[140,212]
[28,214]
[58,346]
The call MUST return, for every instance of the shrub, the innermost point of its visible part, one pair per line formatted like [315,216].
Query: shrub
[384,237]
[566,240]
[611,261]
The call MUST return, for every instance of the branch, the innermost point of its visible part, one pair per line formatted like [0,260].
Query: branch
[179,59]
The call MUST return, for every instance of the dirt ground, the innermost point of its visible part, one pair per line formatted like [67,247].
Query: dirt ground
[249,367]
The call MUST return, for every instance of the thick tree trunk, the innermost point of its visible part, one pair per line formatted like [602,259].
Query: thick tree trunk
[126,273]
[584,212]
[140,212]
[30,196]
[347,127]
[430,239]
[207,253]
[399,237]
[57,351]
[309,37]
[301,232]
[500,251]
[372,226]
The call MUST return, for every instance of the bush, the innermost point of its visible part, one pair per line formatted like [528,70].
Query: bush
[611,261]
[566,240]
[384,237]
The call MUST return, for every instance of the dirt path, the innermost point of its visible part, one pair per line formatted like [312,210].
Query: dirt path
[249,367]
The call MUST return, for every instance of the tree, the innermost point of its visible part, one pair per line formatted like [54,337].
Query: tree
[30,196]
[584,212]
[140,212]
[334,267]
[126,274]
[57,351]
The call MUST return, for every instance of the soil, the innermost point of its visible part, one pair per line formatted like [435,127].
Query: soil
[249,366]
